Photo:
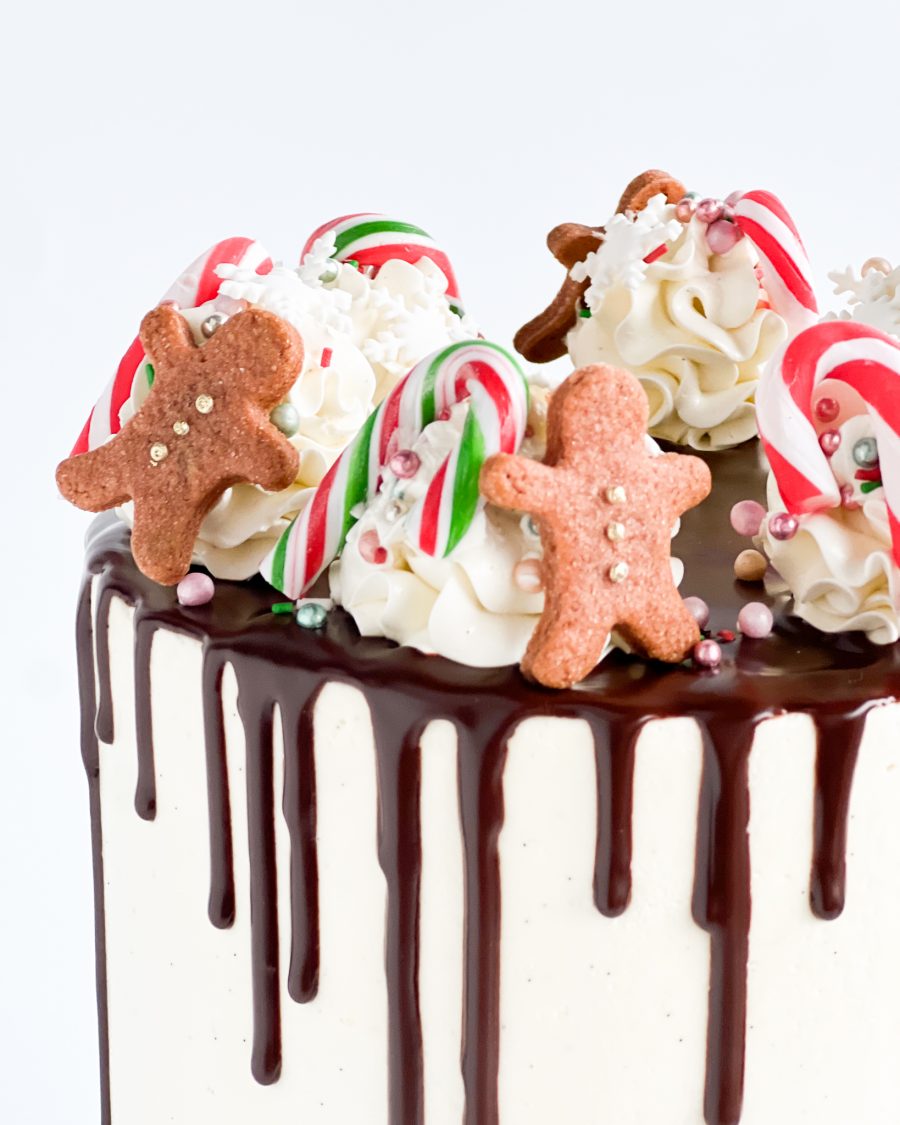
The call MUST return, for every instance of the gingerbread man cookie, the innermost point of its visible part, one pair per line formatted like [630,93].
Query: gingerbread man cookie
[605,507]
[544,338]
[203,428]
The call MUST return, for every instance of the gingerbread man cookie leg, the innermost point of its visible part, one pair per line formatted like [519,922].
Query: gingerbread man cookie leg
[641,630]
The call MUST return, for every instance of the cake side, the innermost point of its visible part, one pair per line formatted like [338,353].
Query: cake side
[583,999]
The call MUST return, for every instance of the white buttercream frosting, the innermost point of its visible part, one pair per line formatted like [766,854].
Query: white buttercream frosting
[361,335]
[693,326]
[839,566]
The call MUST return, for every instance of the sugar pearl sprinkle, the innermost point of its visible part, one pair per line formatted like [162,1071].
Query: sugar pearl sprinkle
[698,609]
[722,232]
[707,654]
[750,566]
[285,418]
[404,464]
[827,409]
[204,404]
[371,549]
[747,516]
[783,526]
[311,615]
[195,588]
[618,572]
[212,323]
[830,442]
[528,577]
[755,620]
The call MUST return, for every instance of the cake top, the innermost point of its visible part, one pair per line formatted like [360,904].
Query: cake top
[361,443]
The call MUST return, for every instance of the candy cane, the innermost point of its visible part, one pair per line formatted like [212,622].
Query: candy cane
[477,371]
[851,353]
[372,240]
[198,284]
[763,218]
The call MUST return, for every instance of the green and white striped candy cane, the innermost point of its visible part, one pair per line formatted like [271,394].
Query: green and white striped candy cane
[483,374]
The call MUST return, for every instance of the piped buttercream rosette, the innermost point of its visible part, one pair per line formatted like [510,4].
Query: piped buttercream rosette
[829,415]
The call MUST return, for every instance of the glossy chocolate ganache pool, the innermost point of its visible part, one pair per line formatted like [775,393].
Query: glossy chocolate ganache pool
[836,680]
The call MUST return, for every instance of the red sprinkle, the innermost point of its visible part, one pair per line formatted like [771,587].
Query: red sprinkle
[326,358]
[725,635]
[657,253]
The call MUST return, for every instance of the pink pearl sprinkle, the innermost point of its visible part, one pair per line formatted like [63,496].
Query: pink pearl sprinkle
[710,210]
[404,464]
[195,588]
[848,498]
[698,609]
[684,209]
[830,442]
[783,526]
[755,620]
[746,517]
[707,654]
[371,549]
[722,236]
[527,576]
[827,409]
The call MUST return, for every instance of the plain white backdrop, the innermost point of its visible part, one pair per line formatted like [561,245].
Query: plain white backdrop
[131,137]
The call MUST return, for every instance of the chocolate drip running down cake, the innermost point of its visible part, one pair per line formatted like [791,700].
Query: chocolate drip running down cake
[343,875]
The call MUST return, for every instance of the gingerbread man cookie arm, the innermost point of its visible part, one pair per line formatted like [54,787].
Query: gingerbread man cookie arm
[687,477]
[521,484]
[166,338]
[95,481]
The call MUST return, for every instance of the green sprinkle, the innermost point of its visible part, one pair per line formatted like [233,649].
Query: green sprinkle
[869,485]
[283,607]
[456,310]
[584,312]
[352,262]
[151,374]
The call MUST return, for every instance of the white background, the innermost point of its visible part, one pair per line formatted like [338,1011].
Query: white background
[134,137]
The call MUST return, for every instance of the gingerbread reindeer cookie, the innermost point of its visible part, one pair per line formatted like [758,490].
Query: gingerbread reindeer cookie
[203,428]
[544,338]
[605,507]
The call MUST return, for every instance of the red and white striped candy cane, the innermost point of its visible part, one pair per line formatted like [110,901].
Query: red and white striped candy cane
[763,218]
[851,353]
[198,284]
[372,240]
[475,371]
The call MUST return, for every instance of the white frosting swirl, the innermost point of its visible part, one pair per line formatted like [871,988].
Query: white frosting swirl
[839,566]
[691,325]
[375,330]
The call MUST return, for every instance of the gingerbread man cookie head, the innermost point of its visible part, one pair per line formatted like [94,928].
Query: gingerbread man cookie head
[581,416]
[605,505]
[203,428]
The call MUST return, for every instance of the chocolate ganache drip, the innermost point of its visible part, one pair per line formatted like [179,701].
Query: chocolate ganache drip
[280,669]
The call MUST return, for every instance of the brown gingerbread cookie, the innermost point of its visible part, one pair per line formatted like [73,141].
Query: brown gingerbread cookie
[605,507]
[544,338]
[203,428]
